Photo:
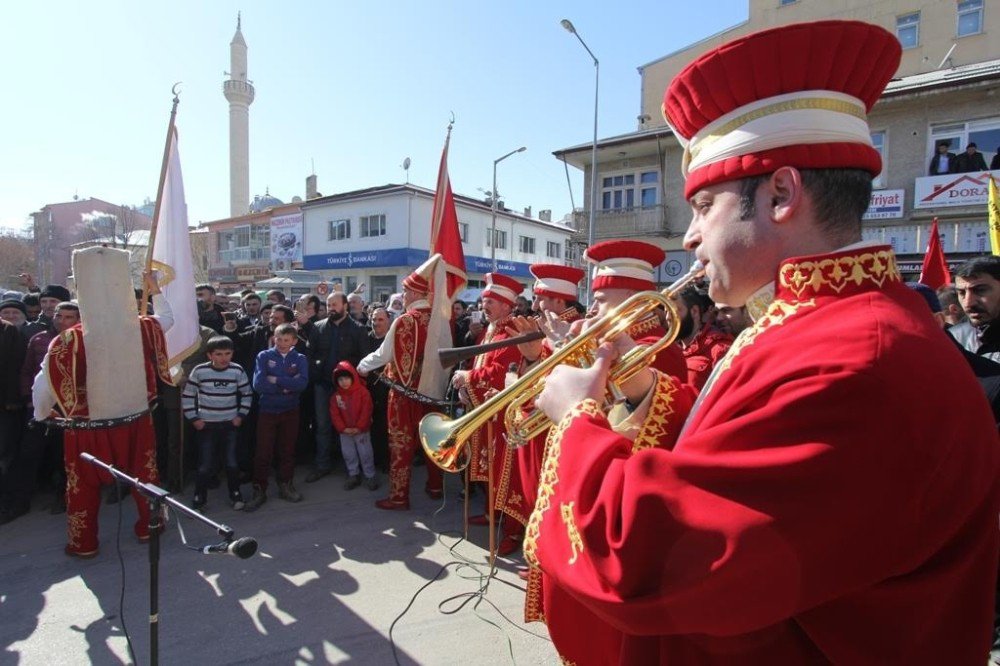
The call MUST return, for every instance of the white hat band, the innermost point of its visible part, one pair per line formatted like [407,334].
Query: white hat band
[556,285]
[807,117]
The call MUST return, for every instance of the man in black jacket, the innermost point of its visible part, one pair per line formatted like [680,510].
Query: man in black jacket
[943,160]
[970,161]
[332,340]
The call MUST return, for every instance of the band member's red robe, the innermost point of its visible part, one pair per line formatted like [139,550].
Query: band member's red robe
[833,497]
[409,337]
[131,447]
[488,375]
[704,352]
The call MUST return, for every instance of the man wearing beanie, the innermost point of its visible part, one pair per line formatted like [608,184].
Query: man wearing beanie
[823,503]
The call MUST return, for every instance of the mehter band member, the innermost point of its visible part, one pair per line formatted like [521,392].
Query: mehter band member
[825,502]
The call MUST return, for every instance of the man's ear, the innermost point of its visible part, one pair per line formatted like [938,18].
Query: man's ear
[785,194]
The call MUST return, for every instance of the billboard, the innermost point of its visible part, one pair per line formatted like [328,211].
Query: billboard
[286,241]
[956,189]
[884,205]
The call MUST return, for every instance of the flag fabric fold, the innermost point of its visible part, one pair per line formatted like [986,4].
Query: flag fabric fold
[448,278]
[993,207]
[934,273]
[171,257]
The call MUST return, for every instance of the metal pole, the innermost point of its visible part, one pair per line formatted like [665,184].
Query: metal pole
[568,25]
[493,206]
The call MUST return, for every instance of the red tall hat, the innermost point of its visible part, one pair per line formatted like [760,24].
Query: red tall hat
[502,288]
[556,280]
[420,279]
[798,95]
[624,264]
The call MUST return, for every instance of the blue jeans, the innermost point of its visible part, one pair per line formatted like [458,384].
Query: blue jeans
[213,438]
[324,428]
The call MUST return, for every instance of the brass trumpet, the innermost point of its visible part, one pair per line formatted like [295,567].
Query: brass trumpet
[445,441]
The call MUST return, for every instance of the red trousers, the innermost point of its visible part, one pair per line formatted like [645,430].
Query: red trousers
[132,449]
[275,431]
[404,417]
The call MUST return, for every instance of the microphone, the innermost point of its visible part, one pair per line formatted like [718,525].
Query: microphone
[242,548]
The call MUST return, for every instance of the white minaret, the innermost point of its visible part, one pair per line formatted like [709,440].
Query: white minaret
[239,91]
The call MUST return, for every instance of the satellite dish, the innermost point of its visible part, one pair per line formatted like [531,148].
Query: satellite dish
[406,168]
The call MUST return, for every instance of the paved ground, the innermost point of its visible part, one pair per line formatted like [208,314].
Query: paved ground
[331,576]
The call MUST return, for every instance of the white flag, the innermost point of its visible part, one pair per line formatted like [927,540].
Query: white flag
[172,258]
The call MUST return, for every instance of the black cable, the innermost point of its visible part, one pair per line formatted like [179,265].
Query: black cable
[115,488]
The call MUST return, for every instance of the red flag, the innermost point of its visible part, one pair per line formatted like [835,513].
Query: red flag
[934,273]
[446,239]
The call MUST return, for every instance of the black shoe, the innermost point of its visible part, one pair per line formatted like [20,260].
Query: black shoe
[236,499]
[352,482]
[259,497]
[316,475]
[287,492]
[117,493]
[372,483]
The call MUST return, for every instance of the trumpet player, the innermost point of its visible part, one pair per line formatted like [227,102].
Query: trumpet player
[824,504]
[488,376]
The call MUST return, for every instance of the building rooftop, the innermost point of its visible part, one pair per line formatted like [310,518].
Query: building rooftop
[943,78]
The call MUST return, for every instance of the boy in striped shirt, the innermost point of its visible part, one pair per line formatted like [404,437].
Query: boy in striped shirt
[216,398]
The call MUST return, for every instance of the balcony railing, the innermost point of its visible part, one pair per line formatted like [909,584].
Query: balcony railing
[624,223]
[245,254]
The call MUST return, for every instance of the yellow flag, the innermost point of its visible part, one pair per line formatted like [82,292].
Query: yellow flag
[993,206]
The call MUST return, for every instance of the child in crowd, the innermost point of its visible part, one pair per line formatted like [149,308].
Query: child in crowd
[280,375]
[216,398]
[351,413]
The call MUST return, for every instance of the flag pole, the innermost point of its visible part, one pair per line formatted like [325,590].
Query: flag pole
[144,305]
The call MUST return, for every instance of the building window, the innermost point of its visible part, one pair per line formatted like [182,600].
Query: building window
[339,230]
[620,191]
[371,225]
[908,29]
[782,3]
[984,133]
[463,231]
[527,244]
[970,17]
[501,238]
[878,142]
[553,250]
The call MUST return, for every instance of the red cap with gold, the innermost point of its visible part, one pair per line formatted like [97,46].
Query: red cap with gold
[797,95]
[624,264]
[420,279]
[502,288]
[556,280]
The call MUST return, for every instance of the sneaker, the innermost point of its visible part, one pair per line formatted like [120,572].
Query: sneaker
[372,483]
[287,491]
[237,499]
[259,497]
[316,475]
[352,482]
[198,502]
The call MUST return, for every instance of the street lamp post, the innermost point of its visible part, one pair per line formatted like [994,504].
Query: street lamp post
[493,205]
[566,23]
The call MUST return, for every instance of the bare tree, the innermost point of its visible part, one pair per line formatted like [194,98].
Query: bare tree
[17,256]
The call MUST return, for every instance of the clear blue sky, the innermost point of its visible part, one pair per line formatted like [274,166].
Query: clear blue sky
[357,87]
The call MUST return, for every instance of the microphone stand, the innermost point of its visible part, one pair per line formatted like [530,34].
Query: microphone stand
[157,498]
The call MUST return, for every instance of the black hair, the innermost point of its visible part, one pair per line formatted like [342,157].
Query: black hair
[218,342]
[692,296]
[287,311]
[313,300]
[205,285]
[335,294]
[989,264]
[839,197]
[31,299]
[340,372]
[277,292]
[252,296]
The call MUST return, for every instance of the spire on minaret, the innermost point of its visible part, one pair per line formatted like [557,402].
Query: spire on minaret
[239,91]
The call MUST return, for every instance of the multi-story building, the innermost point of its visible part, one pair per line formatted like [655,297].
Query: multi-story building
[58,227]
[376,236]
[239,248]
[947,88]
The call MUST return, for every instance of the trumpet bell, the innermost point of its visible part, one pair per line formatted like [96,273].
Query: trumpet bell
[438,439]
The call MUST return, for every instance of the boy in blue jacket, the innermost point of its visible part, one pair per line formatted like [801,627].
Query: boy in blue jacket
[280,375]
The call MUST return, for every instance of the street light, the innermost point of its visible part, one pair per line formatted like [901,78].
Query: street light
[566,23]
[493,205]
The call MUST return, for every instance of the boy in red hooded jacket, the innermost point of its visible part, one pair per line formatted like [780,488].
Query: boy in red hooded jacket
[351,413]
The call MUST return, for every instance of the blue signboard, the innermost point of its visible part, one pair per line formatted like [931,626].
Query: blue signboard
[404,256]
